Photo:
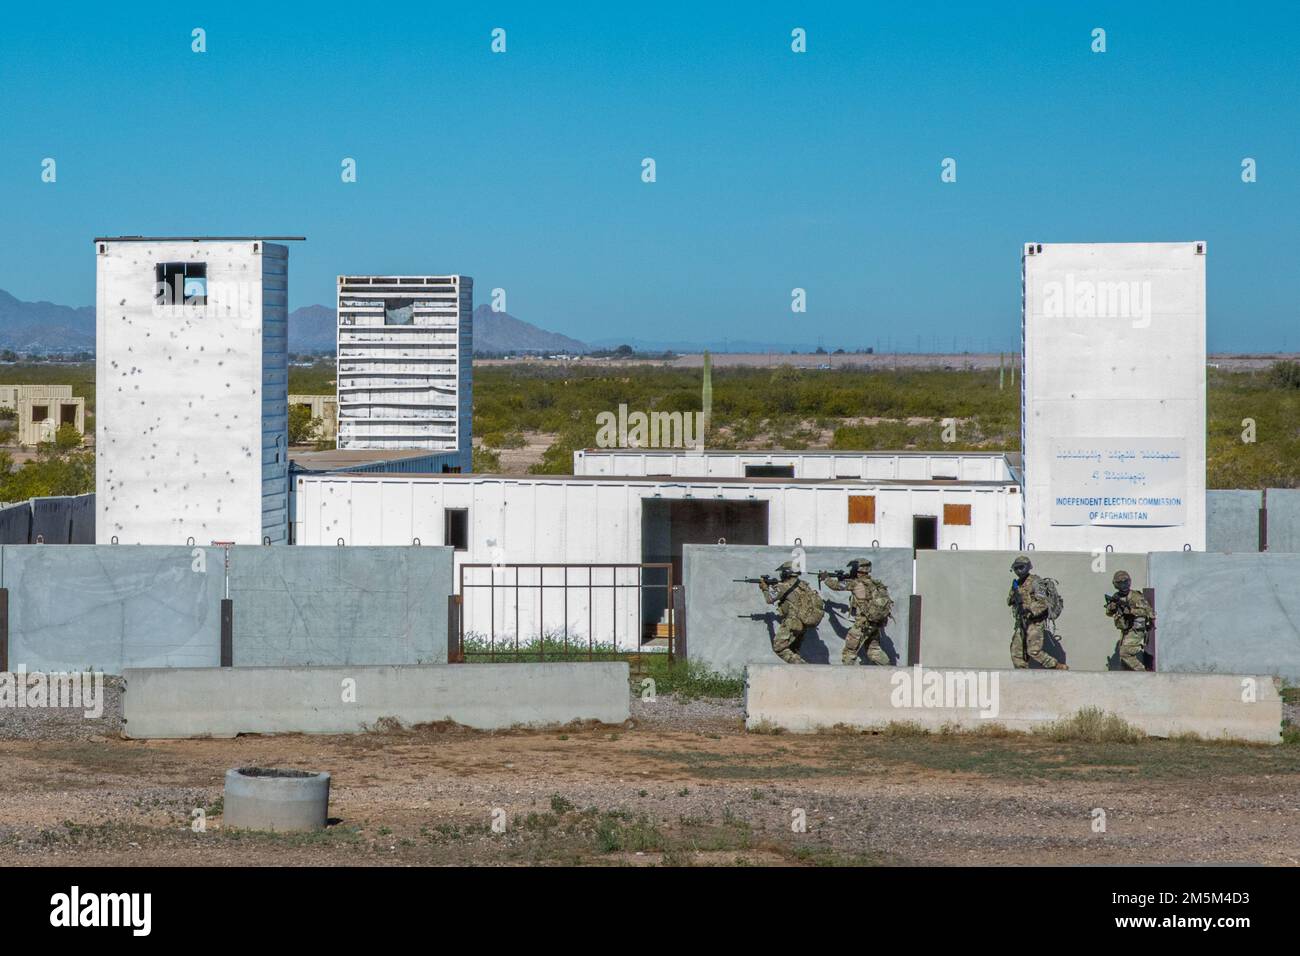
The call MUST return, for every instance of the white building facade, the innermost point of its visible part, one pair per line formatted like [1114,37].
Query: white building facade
[1113,409]
[405,353]
[869,465]
[565,518]
[500,523]
[191,390]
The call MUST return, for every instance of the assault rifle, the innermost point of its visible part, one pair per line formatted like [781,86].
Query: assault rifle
[767,580]
[1021,615]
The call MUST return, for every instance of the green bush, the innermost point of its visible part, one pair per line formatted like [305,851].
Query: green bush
[1285,374]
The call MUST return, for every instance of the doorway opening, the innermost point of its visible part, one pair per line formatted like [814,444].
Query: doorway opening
[925,532]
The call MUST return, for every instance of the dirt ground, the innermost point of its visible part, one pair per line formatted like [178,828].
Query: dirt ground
[679,784]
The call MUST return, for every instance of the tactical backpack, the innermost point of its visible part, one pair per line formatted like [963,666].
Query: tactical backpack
[809,608]
[879,608]
[1052,595]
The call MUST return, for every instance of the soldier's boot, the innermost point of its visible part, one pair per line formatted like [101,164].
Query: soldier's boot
[1130,654]
[876,654]
[783,643]
[852,645]
[1034,650]
[1018,652]
[790,657]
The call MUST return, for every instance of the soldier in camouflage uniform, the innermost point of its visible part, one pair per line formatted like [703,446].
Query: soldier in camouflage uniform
[1132,616]
[791,595]
[1029,608]
[863,590]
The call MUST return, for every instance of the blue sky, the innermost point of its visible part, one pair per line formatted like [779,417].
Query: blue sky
[775,170]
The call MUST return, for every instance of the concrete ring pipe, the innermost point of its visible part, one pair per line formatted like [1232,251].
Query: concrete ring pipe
[264,798]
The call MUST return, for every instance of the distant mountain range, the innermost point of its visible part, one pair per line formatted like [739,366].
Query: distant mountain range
[749,346]
[45,327]
[48,328]
[311,329]
[502,332]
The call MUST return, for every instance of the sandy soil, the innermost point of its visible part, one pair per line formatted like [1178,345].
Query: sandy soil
[679,784]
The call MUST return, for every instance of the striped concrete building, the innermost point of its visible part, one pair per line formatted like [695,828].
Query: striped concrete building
[405,347]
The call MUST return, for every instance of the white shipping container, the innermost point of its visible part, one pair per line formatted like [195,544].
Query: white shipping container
[615,520]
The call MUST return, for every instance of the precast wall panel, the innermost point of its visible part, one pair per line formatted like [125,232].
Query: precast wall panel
[1113,395]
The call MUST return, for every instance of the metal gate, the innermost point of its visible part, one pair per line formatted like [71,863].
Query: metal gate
[563,612]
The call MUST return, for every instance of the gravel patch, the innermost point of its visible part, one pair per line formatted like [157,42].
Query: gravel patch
[702,714]
[67,723]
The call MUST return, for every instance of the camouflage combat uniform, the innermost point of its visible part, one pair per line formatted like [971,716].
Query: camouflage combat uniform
[792,597]
[1132,618]
[1030,628]
[862,589]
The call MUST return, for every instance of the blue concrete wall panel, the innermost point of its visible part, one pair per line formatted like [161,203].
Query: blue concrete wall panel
[721,638]
[83,519]
[965,620]
[1232,520]
[52,520]
[1284,520]
[329,605]
[1228,613]
[73,607]
[16,523]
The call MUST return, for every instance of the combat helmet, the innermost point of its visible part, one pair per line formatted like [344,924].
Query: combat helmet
[1120,579]
[1022,561]
[858,565]
[786,569]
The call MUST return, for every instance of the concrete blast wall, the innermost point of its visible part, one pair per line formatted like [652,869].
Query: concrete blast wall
[966,622]
[1284,520]
[113,607]
[329,700]
[724,641]
[1232,520]
[56,520]
[1228,613]
[104,607]
[331,605]
[806,699]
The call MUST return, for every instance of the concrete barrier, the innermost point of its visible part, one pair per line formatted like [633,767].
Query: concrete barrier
[16,523]
[224,702]
[314,605]
[965,620]
[1232,520]
[808,699]
[1284,520]
[110,607]
[725,642]
[1228,613]
[73,607]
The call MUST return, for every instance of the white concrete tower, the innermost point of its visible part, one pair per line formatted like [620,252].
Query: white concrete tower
[191,390]
[405,348]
